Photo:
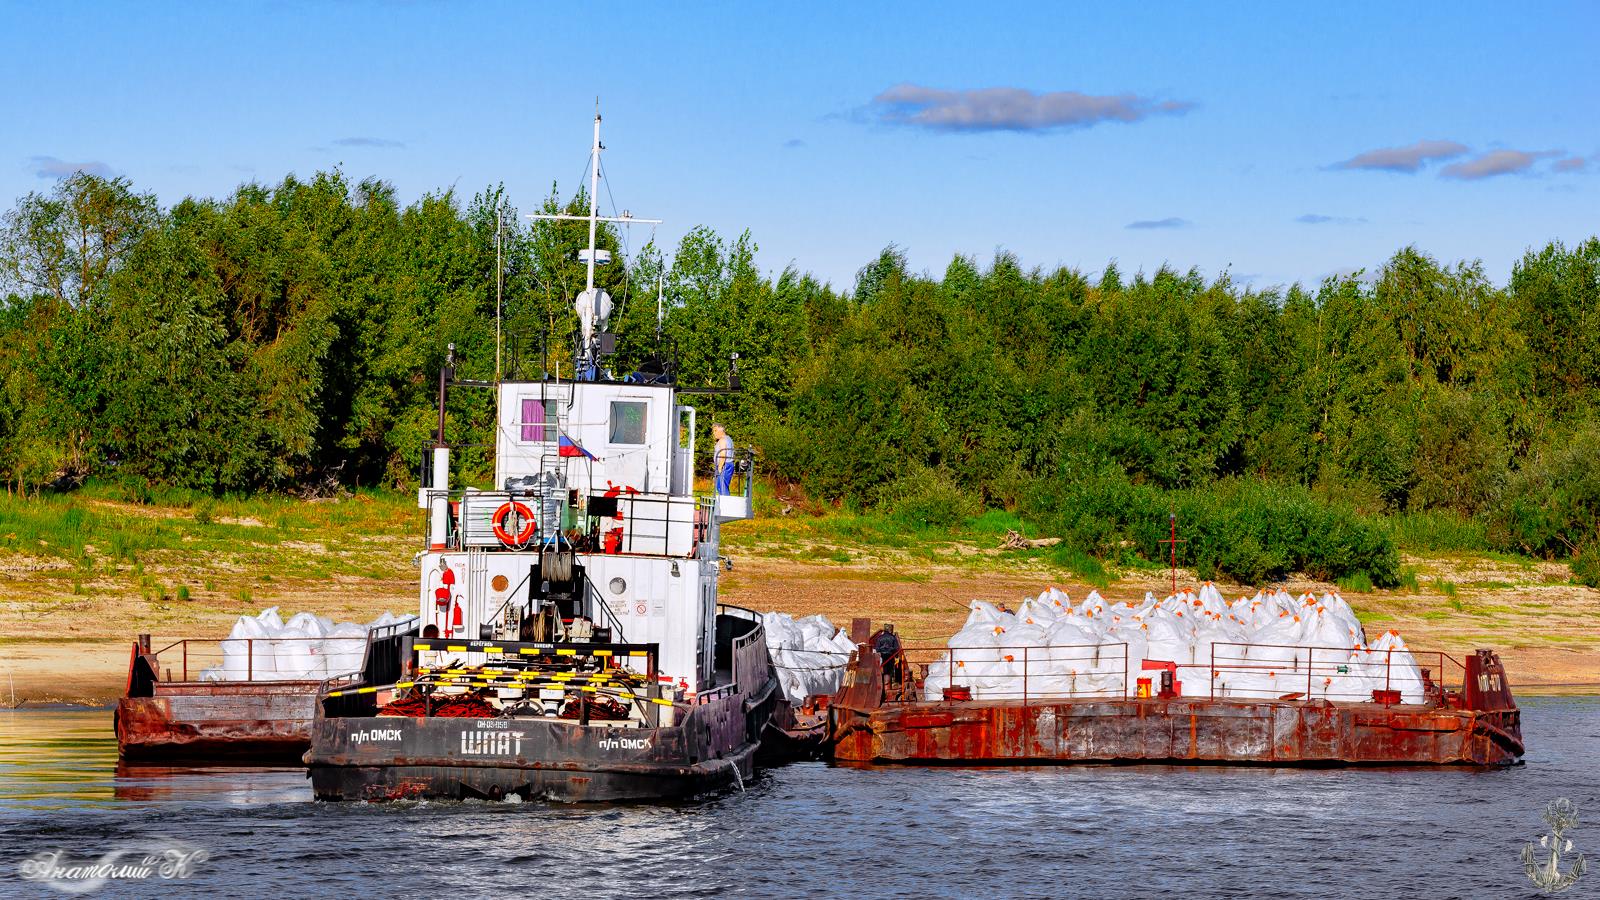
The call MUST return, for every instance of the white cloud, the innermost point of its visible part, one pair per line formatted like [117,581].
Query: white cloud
[1495,162]
[1408,159]
[1012,109]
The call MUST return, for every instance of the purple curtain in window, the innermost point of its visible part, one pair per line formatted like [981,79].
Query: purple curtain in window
[532,418]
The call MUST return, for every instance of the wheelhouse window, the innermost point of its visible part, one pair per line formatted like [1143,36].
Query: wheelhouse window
[627,422]
[538,420]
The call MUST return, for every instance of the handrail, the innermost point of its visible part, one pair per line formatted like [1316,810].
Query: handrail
[1335,666]
[183,646]
[738,612]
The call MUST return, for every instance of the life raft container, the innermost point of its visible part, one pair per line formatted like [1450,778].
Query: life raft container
[524,515]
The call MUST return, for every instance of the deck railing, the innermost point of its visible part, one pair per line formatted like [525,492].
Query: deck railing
[255,659]
[1220,670]
[1024,673]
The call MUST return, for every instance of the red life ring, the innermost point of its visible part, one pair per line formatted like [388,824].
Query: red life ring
[529,526]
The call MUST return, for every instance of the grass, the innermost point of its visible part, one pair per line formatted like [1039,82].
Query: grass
[1439,531]
[1359,583]
[1081,564]
[98,524]
[106,545]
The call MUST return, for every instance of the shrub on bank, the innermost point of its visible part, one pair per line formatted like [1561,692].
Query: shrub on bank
[1586,566]
[1250,531]
[1551,508]
[929,498]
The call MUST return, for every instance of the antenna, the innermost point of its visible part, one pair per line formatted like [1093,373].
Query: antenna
[593,305]
[661,306]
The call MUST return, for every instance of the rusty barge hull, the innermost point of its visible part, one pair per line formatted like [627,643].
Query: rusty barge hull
[218,723]
[1277,733]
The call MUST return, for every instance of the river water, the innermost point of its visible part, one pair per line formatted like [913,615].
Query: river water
[810,830]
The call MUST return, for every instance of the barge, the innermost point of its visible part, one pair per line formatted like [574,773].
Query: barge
[173,714]
[1467,717]
[572,645]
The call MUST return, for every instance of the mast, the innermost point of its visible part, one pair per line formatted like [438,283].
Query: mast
[594,195]
[499,284]
[593,306]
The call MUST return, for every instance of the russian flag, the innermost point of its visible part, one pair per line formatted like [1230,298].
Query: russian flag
[566,446]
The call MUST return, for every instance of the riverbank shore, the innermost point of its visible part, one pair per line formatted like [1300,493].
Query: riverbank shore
[69,626]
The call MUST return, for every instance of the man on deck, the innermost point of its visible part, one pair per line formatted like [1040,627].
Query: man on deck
[722,458]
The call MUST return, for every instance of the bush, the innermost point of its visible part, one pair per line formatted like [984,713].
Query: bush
[926,498]
[1586,567]
[1249,531]
[1552,507]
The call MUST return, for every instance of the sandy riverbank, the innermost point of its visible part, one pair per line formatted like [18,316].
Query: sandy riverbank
[1543,629]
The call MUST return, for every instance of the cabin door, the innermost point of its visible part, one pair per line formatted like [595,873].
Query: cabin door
[628,441]
[683,453]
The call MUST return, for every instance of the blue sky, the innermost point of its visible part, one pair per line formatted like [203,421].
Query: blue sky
[1282,142]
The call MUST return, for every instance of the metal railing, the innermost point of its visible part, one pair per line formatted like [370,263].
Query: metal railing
[261,659]
[254,659]
[1229,671]
[1024,673]
[465,523]
[1283,671]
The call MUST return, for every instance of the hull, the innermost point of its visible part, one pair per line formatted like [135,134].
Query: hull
[218,723]
[1276,733]
[393,758]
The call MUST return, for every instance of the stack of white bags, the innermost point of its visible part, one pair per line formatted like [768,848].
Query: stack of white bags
[1261,648]
[307,647]
[809,654]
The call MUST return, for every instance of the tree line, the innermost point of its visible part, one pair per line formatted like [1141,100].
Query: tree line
[292,334]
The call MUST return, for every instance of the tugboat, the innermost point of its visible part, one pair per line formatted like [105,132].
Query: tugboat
[572,646]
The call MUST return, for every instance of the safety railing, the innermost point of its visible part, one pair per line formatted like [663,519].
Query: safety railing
[1289,672]
[734,485]
[656,525]
[258,659]
[1219,671]
[1017,673]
